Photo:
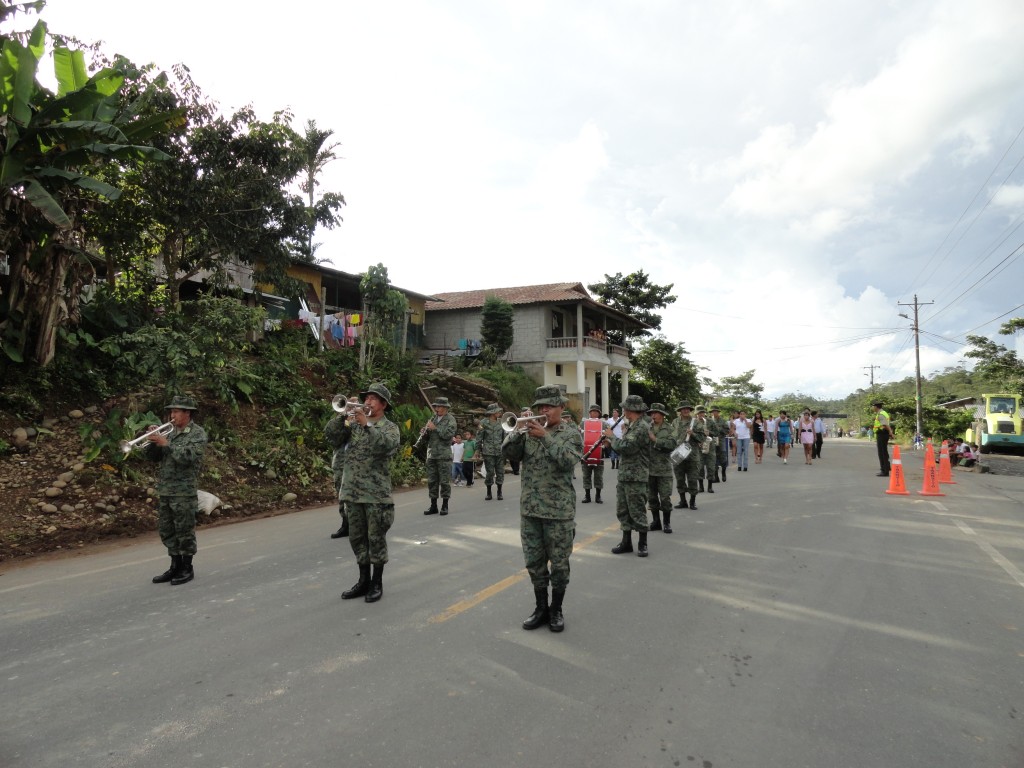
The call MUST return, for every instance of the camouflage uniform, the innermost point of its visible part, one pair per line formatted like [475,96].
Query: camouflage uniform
[489,437]
[177,485]
[547,507]
[659,484]
[337,433]
[593,473]
[366,489]
[722,458]
[634,449]
[709,460]
[439,456]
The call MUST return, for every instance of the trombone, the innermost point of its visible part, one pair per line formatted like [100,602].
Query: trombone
[348,405]
[512,423]
[127,446]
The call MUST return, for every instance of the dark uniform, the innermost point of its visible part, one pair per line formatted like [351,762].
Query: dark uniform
[488,439]
[709,449]
[439,457]
[883,431]
[177,487]
[337,434]
[659,482]
[634,450]
[721,443]
[366,492]
[547,505]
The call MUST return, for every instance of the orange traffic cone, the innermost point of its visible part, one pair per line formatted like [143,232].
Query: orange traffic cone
[945,467]
[930,486]
[897,486]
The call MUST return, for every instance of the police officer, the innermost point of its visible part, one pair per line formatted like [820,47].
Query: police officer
[180,454]
[634,450]
[688,470]
[488,439]
[593,465]
[659,482]
[883,431]
[440,431]
[547,503]
[366,490]
[337,434]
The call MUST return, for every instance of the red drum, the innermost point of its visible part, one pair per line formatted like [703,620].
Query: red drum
[592,434]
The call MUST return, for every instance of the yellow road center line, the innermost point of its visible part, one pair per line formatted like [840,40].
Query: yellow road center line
[464,605]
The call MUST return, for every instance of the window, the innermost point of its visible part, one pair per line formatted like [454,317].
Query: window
[558,369]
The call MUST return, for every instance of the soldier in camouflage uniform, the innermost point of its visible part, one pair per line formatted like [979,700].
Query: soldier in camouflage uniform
[366,490]
[337,434]
[709,461]
[634,450]
[707,455]
[488,439]
[440,431]
[180,453]
[722,462]
[689,430]
[659,483]
[593,465]
[547,503]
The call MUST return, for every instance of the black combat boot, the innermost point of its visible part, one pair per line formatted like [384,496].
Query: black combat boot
[586,496]
[656,524]
[171,572]
[376,591]
[185,573]
[500,497]
[693,501]
[641,546]
[682,501]
[361,587]
[343,531]
[444,506]
[667,527]
[597,496]
[700,485]
[711,486]
[723,474]
[557,621]
[488,497]
[626,545]
[433,507]
[716,475]
[540,614]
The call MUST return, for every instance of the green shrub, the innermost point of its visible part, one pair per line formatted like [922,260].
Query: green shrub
[514,387]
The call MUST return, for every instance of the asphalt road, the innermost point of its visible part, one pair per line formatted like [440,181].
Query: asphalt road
[800,617]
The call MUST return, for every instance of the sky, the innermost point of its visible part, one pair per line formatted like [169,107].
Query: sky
[798,170]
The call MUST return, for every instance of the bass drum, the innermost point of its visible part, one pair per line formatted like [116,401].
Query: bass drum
[592,429]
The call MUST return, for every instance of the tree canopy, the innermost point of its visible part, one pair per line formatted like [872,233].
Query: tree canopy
[496,325]
[635,295]
[670,376]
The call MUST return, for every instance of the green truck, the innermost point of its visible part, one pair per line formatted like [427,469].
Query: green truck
[997,422]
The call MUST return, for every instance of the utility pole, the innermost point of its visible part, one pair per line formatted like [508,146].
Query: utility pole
[872,368]
[917,350]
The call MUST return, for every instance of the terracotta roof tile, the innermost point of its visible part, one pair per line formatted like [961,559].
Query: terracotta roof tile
[524,294]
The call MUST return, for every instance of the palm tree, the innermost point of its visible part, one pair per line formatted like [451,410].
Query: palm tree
[316,154]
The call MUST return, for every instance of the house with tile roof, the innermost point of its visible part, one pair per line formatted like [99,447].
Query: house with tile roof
[561,336]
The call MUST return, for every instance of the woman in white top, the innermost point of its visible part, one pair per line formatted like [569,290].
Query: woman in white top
[805,429]
[741,425]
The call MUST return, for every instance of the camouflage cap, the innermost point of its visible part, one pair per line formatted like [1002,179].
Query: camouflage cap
[378,389]
[658,408]
[715,408]
[701,409]
[549,395]
[441,402]
[594,408]
[182,403]
[493,408]
[634,403]
[681,406]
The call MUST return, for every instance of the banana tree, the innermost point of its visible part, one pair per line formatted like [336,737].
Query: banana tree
[53,145]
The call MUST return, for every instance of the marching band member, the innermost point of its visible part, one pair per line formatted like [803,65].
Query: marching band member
[634,450]
[488,438]
[547,503]
[440,431]
[593,464]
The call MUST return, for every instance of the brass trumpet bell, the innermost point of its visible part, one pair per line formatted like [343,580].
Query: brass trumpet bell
[127,446]
[512,423]
[347,405]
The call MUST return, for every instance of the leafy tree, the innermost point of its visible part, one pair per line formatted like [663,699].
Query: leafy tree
[671,377]
[385,309]
[739,392]
[635,295]
[316,154]
[53,147]
[999,366]
[496,326]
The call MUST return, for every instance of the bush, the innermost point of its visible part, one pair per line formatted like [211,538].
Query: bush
[515,388]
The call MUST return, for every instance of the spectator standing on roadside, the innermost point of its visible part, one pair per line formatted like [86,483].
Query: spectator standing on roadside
[468,457]
[819,434]
[741,428]
[769,432]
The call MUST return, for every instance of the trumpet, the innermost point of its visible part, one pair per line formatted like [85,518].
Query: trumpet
[127,446]
[512,423]
[348,405]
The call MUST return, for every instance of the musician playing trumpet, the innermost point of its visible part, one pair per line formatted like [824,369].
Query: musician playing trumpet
[439,431]
[659,483]
[488,439]
[180,454]
[549,450]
